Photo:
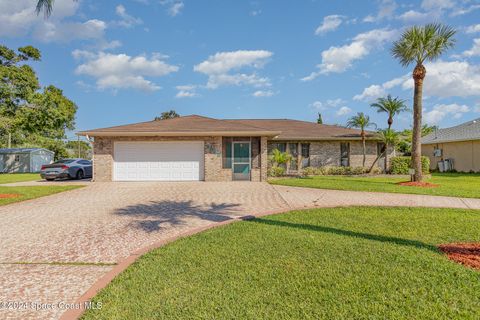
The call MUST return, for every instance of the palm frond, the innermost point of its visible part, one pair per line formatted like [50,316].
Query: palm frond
[45,6]
[423,43]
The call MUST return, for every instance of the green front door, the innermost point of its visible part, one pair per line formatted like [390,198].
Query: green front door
[241,161]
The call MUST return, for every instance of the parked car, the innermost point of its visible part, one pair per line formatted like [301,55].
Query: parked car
[67,168]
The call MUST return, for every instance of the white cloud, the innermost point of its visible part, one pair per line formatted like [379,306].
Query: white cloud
[255,13]
[174,7]
[263,93]
[343,111]
[440,111]
[437,4]
[386,10]
[330,103]
[18,18]
[376,91]
[339,59]
[127,21]
[474,51]
[219,66]
[330,23]
[464,10]
[413,16]
[120,71]
[473,28]
[186,91]
[444,79]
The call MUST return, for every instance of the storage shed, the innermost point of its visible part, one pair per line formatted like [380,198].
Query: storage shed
[16,160]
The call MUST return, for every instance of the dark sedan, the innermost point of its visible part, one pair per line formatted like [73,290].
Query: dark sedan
[67,169]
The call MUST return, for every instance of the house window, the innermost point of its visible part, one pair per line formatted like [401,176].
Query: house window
[345,154]
[17,158]
[280,146]
[305,154]
[227,153]
[293,150]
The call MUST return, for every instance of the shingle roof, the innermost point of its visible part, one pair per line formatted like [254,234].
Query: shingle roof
[285,129]
[187,125]
[21,150]
[305,130]
[464,132]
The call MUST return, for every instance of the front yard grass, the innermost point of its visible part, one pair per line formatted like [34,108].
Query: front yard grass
[465,185]
[26,193]
[18,177]
[335,263]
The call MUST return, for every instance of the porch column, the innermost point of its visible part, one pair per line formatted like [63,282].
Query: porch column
[263,159]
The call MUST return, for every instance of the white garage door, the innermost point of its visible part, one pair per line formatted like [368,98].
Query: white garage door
[158,161]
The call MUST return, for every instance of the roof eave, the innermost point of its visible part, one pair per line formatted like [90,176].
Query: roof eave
[451,140]
[326,138]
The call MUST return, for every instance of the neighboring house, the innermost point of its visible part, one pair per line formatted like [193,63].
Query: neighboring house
[200,148]
[16,160]
[459,146]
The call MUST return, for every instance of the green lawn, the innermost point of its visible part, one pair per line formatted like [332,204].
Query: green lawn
[342,263]
[451,184]
[31,192]
[18,177]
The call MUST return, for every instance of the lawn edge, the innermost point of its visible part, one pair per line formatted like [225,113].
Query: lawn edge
[75,187]
[406,194]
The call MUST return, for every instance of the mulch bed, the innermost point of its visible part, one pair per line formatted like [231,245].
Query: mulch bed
[467,254]
[9,195]
[418,184]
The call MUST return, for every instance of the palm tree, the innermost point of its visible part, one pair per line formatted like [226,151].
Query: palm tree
[389,137]
[392,106]
[417,45]
[361,121]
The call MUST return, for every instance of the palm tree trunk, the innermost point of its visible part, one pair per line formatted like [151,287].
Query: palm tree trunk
[386,158]
[375,162]
[418,76]
[364,151]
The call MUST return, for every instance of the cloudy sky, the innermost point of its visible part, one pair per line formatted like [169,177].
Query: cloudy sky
[128,60]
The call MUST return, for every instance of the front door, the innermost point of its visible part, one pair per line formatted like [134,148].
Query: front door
[241,160]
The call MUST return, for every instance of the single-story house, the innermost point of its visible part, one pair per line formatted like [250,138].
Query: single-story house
[200,148]
[455,148]
[17,160]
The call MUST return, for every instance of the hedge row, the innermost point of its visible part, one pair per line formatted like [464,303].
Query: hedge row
[400,165]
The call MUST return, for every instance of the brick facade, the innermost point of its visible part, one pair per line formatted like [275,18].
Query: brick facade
[322,153]
[103,154]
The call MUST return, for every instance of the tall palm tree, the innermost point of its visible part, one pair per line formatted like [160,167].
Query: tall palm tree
[392,106]
[361,121]
[417,45]
[389,137]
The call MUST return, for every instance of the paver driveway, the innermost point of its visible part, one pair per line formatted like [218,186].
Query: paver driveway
[106,222]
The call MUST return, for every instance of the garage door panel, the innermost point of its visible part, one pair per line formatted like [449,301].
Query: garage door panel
[158,161]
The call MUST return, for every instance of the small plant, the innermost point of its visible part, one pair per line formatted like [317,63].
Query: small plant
[280,158]
[276,171]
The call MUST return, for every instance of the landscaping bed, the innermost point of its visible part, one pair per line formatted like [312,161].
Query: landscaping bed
[336,263]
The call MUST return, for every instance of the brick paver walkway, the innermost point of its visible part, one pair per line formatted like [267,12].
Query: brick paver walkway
[106,222]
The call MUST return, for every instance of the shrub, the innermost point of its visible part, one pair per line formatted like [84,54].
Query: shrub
[400,165]
[320,171]
[276,171]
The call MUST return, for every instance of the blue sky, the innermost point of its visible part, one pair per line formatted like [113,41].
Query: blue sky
[127,61]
